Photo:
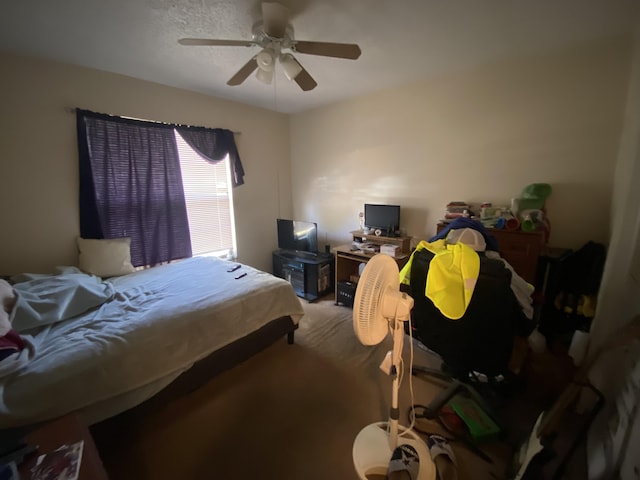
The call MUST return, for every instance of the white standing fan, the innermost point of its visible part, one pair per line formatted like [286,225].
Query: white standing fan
[379,307]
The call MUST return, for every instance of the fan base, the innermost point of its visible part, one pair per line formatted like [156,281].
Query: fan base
[371,451]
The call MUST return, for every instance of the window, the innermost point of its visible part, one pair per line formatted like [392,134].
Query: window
[209,199]
[131,185]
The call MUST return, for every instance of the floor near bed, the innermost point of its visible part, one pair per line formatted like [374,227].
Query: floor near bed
[289,412]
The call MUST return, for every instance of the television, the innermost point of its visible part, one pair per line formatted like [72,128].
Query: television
[382,217]
[297,236]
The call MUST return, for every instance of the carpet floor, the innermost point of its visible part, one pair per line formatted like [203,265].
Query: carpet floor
[289,412]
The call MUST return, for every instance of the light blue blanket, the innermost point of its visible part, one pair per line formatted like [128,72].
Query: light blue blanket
[48,299]
[159,322]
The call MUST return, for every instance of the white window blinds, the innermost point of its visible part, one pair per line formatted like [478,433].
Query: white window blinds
[209,198]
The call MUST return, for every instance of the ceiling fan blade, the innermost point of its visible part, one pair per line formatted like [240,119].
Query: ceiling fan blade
[304,80]
[242,74]
[215,43]
[349,51]
[275,18]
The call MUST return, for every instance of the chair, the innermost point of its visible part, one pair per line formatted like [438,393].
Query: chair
[478,344]
[482,340]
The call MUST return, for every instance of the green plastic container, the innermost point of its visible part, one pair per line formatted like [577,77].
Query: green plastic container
[480,425]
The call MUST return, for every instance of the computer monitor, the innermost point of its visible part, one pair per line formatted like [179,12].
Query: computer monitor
[382,217]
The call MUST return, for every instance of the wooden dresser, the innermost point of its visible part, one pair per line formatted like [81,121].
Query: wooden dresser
[520,249]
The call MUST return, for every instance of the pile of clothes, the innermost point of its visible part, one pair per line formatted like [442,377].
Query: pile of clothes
[10,340]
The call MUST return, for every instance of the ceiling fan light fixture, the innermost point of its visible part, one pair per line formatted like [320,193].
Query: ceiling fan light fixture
[291,68]
[274,35]
[266,60]
[265,76]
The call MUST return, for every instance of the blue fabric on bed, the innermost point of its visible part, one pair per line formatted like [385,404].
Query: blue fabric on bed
[47,299]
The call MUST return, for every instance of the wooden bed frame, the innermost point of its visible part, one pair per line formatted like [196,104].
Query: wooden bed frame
[204,370]
[227,357]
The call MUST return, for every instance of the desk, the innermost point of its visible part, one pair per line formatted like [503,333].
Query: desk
[348,263]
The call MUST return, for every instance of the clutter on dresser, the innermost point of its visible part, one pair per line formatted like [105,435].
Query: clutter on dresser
[457,209]
[526,212]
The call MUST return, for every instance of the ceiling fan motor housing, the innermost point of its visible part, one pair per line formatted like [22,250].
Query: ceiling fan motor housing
[262,39]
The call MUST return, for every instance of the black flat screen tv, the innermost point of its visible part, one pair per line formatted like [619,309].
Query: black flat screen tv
[297,236]
[382,217]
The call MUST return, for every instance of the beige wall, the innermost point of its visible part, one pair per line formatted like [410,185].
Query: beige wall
[38,158]
[477,136]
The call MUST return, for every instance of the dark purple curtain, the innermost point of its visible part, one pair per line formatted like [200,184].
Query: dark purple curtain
[131,186]
[214,144]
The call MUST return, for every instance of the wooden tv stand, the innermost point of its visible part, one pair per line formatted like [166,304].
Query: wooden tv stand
[309,275]
[348,258]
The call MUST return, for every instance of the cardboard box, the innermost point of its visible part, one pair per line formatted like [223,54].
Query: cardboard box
[390,249]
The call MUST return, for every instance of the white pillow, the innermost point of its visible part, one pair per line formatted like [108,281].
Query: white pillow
[105,258]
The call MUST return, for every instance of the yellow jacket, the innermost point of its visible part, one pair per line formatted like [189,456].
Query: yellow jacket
[451,278]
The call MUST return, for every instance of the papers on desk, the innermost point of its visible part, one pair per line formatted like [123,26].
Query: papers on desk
[366,247]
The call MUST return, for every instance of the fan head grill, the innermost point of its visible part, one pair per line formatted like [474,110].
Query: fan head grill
[379,282]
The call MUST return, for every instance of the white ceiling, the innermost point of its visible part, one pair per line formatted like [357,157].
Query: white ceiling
[402,41]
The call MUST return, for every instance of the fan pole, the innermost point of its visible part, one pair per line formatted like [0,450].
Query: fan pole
[380,309]
[394,412]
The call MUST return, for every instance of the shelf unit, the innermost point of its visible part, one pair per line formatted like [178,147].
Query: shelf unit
[403,242]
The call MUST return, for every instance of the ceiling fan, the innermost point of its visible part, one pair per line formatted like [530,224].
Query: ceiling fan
[274,35]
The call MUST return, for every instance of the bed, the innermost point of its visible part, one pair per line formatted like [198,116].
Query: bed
[172,325]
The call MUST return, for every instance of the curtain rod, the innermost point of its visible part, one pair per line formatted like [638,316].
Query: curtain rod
[73,110]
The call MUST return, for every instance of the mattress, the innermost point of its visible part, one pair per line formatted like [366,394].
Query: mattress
[158,322]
